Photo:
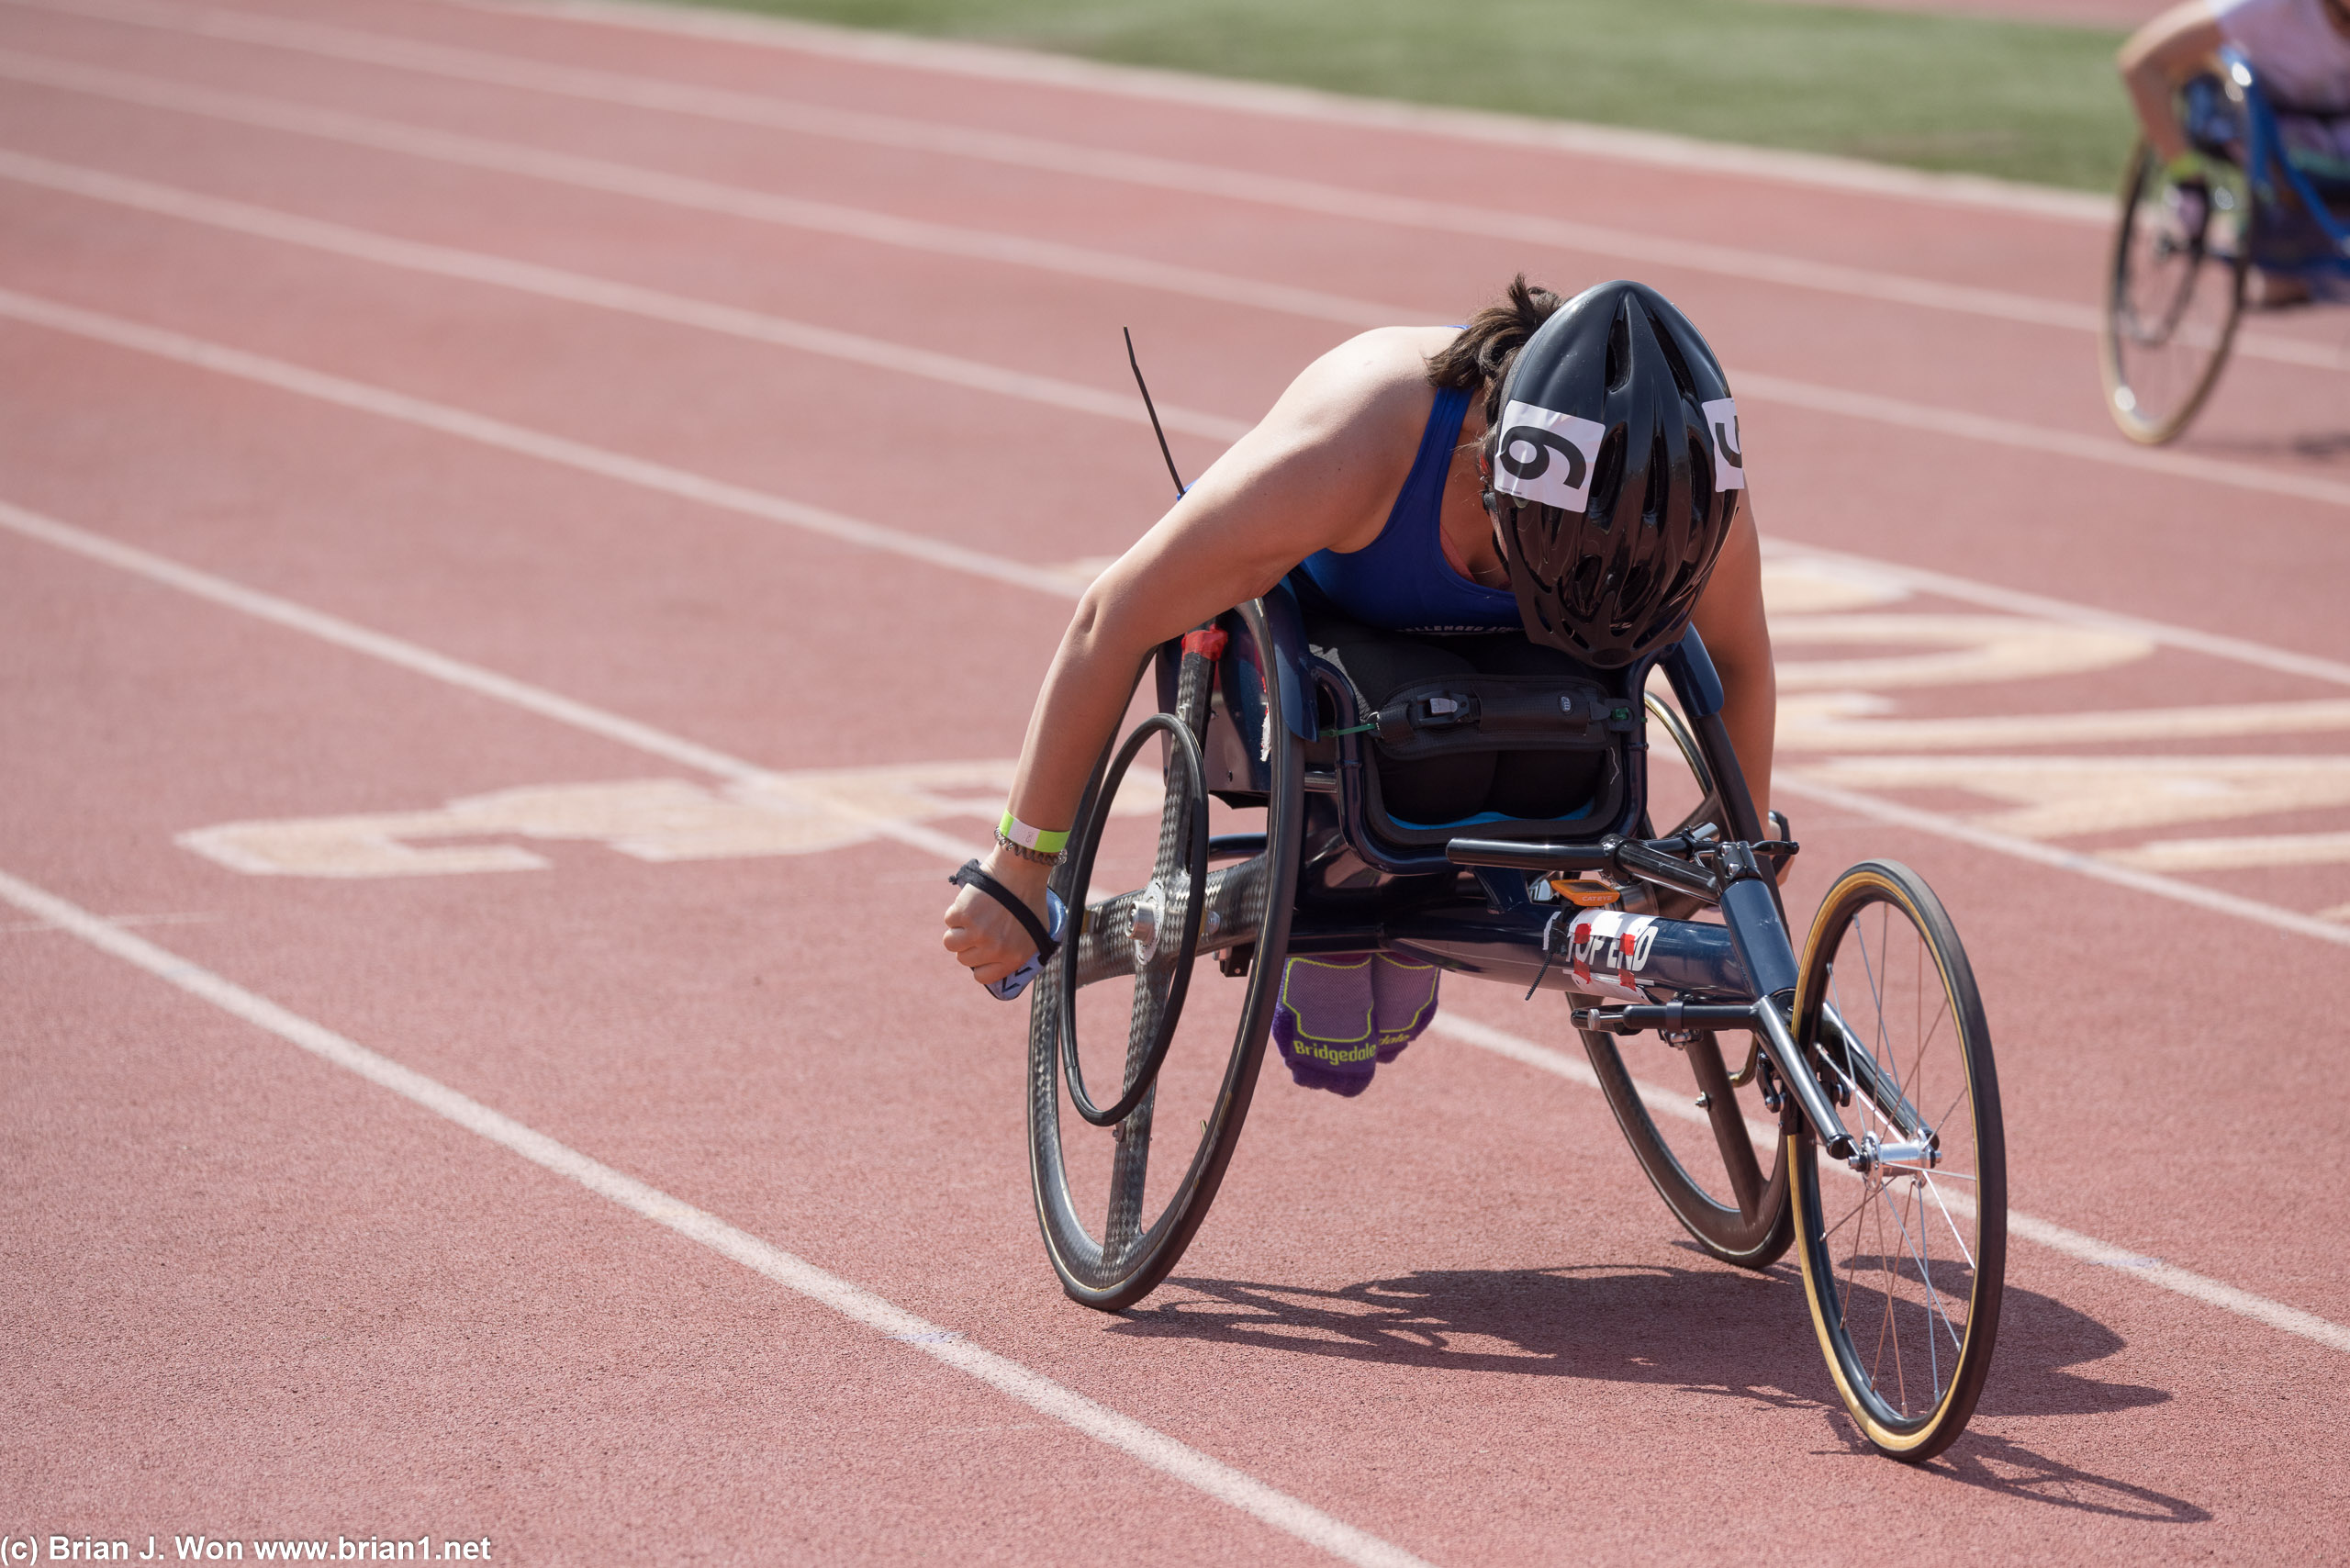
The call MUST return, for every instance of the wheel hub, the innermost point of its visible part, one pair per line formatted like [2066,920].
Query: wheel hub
[1915,1156]
[1147,918]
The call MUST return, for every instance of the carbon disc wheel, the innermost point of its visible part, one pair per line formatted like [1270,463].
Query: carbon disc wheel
[1710,1151]
[1147,1030]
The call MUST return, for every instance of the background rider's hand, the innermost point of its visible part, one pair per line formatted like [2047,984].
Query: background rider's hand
[981,932]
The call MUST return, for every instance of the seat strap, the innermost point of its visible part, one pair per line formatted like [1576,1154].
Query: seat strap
[970,875]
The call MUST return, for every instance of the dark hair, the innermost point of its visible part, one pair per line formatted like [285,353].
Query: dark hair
[1480,356]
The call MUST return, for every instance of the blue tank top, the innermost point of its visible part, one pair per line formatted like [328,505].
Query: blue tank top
[1401,581]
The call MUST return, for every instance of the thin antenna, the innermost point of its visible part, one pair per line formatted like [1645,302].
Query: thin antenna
[1150,407]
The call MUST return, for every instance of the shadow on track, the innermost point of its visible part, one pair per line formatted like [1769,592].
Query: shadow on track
[1994,1464]
[2312,445]
[1699,1330]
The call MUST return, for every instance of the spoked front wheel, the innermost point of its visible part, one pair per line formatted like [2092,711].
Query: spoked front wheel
[1904,1247]
[2174,295]
[1148,1027]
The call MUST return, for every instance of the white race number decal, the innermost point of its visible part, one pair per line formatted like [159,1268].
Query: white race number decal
[1729,467]
[1545,457]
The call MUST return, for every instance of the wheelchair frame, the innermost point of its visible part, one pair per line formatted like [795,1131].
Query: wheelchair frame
[1322,880]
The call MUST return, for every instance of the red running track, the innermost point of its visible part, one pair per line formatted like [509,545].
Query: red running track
[313,338]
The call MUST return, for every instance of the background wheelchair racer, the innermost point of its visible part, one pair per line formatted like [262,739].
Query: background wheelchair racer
[2300,50]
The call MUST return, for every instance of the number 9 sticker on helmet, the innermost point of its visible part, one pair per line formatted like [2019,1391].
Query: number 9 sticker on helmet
[1547,457]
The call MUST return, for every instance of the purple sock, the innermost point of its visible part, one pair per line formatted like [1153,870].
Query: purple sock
[1403,1000]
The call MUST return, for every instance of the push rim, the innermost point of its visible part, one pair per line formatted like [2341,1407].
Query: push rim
[1177,884]
[1902,1263]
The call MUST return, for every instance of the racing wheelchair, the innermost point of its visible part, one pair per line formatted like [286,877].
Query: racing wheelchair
[1856,1118]
[2182,253]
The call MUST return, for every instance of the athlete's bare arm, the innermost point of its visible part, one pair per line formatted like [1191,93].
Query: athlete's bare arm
[1316,473]
[2159,56]
[1730,619]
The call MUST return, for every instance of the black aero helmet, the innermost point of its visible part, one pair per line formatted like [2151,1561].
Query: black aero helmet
[1612,472]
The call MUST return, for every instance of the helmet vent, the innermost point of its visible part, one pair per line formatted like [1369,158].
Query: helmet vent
[1701,485]
[1659,484]
[1683,381]
[1619,353]
[1606,480]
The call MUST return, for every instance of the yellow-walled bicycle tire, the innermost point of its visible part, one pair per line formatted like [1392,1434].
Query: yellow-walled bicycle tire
[1904,1259]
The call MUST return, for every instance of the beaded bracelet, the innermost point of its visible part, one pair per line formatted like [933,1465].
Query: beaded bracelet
[1022,852]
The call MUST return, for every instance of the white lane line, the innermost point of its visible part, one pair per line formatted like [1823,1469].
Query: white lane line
[1964,425]
[1282,193]
[685,191]
[628,731]
[1179,1460]
[1101,266]
[27,927]
[997,63]
[2030,1227]
[2017,602]
[577,288]
[497,433]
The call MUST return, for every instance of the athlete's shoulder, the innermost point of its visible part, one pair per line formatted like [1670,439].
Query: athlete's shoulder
[1372,386]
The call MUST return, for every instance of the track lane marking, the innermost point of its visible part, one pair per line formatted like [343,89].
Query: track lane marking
[2215,899]
[2046,1233]
[424,661]
[2016,601]
[1179,1460]
[621,179]
[1283,193]
[628,731]
[560,451]
[999,62]
[603,294]
[688,486]
[608,178]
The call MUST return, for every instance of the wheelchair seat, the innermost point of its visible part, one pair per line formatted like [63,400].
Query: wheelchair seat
[1482,732]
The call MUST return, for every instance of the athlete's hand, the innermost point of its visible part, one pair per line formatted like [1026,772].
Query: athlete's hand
[981,932]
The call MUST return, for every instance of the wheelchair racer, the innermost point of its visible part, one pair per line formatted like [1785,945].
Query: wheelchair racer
[1552,488]
[2300,51]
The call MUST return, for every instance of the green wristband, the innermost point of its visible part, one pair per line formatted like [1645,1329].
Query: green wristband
[1014,831]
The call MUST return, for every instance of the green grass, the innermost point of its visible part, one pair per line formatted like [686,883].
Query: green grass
[2019,100]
